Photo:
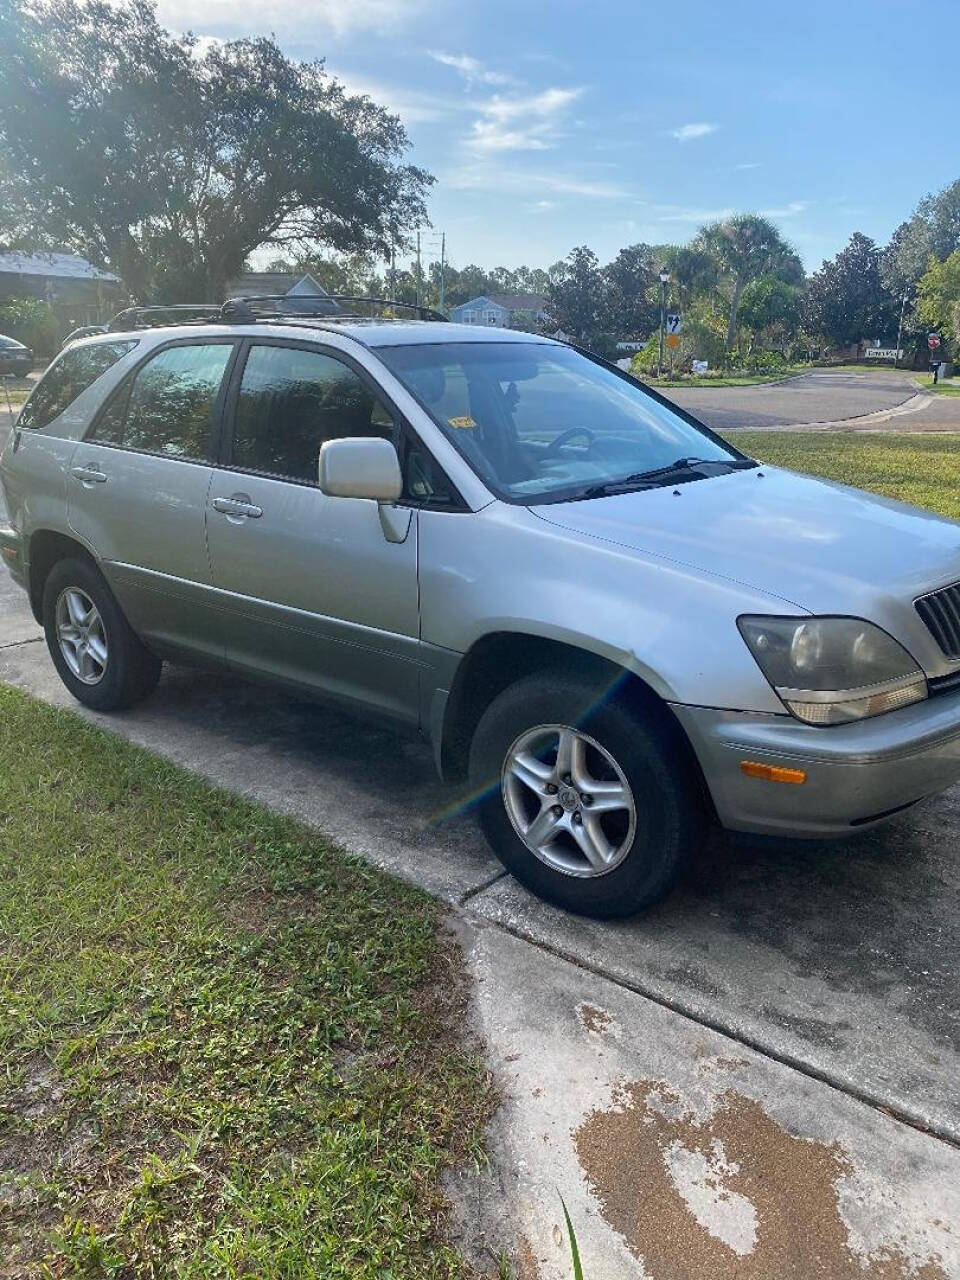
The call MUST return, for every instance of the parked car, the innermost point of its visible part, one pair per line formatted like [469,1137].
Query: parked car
[16,360]
[613,623]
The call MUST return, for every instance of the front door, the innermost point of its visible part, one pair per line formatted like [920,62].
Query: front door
[312,589]
[137,495]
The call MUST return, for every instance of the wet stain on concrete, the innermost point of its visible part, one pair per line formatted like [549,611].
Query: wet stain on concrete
[732,1197]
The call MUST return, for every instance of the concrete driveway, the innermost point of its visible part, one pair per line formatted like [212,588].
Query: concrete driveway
[787,994]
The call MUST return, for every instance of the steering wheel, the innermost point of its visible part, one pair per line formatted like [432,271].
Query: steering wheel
[564,436]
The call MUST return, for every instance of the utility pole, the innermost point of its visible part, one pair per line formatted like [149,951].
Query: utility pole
[443,263]
[392,289]
[903,303]
[419,280]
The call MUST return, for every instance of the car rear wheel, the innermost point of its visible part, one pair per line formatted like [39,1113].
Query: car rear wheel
[97,655]
[591,802]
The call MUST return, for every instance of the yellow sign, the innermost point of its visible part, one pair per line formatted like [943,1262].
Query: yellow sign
[462,424]
[673,340]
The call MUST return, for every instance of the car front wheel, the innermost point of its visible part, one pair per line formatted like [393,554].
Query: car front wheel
[591,802]
[97,655]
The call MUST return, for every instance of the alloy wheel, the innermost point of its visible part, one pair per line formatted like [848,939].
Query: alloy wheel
[568,800]
[81,635]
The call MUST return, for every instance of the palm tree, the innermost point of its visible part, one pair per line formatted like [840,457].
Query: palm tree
[745,247]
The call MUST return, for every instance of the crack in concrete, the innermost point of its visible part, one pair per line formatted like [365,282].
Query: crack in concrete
[480,888]
[832,1081]
[18,644]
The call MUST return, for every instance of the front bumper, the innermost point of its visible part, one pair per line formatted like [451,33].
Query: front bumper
[857,774]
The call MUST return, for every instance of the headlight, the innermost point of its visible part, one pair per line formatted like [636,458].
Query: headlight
[833,670]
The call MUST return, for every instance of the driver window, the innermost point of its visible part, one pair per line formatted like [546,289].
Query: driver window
[291,401]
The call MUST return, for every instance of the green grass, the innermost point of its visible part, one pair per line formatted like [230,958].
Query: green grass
[924,470]
[876,366]
[942,390]
[734,380]
[225,1048]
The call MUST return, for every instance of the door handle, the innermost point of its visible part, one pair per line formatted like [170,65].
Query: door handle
[237,507]
[89,475]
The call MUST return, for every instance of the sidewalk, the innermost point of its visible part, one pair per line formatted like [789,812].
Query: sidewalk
[683,1156]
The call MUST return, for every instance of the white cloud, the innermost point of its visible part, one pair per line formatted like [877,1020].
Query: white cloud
[413,106]
[688,214]
[473,71]
[521,124]
[750,164]
[686,132]
[790,210]
[541,206]
[339,17]
[483,175]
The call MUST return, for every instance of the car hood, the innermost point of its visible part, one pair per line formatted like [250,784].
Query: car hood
[819,546]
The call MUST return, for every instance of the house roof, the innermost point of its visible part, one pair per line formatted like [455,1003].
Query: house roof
[55,265]
[519,301]
[509,301]
[271,282]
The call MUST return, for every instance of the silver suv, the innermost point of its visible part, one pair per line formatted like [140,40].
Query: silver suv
[611,622]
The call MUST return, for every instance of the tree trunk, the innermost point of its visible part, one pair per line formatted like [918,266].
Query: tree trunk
[734,308]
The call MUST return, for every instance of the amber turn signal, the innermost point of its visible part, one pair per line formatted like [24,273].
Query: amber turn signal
[772,772]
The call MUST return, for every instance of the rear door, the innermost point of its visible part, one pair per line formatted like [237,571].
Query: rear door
[138,490]
[317,594]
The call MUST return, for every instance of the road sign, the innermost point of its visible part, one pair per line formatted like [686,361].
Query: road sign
[674,323]
[933,341]
[673,340]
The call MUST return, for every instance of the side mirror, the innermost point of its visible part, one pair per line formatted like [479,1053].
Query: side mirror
[360,467]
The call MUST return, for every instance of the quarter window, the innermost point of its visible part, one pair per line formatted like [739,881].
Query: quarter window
[67,378]
[168,405]
[291,401]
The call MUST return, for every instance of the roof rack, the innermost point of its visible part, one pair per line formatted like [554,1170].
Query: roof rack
[144,317]
[272,306]
[330,305]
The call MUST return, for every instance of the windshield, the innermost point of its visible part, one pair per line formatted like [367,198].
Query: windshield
[541,422]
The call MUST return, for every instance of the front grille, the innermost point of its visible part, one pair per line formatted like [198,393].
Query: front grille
[940,612]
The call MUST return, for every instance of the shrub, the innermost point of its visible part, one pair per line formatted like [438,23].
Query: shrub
[32,322]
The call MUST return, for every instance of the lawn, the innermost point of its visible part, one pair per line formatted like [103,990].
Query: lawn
[734,380]
[226,1049]
[924,470]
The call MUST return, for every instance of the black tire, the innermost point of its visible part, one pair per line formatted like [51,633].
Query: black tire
[653,757]
[131,671]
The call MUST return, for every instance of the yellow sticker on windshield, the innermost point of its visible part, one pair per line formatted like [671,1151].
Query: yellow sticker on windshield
[462,424]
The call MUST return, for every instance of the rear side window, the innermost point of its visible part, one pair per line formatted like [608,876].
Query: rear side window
[167,406]
[67,378]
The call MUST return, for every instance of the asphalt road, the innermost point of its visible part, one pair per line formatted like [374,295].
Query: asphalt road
[812,397]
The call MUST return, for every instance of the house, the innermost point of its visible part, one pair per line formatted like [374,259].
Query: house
[507,310]
[275,283]
[78,292]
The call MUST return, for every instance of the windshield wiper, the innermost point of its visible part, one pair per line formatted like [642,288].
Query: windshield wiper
[657,475]
[689,464]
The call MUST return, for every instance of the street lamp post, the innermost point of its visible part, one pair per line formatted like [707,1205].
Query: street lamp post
[664,281]
[896,358]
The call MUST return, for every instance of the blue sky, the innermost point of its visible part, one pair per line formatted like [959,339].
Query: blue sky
[551,125]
